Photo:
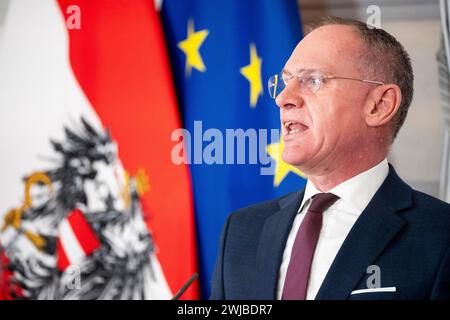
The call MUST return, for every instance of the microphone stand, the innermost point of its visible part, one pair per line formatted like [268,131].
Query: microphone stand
[185,287]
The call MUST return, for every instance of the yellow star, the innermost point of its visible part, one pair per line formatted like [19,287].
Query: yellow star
[282,168]
[252,73]
[191,46]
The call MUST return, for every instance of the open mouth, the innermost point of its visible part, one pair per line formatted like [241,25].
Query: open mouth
[294,127]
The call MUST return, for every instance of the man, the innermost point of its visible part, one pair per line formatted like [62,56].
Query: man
[357,231]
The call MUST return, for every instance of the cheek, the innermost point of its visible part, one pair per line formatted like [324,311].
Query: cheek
[323,121]
[339,112]
[331,125]
[344,131]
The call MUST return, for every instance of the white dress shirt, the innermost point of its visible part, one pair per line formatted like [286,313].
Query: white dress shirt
[354,195]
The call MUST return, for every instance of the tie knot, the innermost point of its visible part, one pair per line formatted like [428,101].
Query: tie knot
[322,201]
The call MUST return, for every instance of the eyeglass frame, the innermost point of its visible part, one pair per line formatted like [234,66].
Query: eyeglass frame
[322,76]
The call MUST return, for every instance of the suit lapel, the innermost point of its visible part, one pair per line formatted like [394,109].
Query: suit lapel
[271,246]
[372,232]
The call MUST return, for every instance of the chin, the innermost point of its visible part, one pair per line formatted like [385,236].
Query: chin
[294,156]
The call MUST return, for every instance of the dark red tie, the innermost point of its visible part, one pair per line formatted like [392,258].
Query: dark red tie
[297,276]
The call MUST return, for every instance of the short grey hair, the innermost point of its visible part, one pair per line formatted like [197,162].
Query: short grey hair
[385,60]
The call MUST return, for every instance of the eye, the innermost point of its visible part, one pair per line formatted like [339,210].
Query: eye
[314,82]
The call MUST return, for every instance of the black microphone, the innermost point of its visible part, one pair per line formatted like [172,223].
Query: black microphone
[185,287]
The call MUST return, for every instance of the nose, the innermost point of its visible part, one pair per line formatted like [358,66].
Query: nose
[290,96]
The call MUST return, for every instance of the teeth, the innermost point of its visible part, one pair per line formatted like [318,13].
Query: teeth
[287,124]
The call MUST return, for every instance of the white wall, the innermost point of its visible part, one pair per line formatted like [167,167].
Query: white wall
[417,151]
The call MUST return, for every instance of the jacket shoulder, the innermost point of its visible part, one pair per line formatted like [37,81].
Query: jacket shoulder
[434,209]
[262,209]
[431,202]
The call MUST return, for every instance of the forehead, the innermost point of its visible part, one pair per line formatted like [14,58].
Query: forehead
[330,48]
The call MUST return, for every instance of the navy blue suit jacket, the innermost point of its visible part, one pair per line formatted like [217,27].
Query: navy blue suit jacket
[404,232]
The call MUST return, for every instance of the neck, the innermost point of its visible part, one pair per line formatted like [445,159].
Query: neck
[341,169]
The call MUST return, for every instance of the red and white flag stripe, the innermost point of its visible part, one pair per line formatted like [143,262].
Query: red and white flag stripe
[76,240]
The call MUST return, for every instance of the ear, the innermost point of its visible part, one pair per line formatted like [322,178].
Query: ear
[382,104]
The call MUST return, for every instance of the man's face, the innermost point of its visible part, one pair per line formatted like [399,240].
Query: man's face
[330,122]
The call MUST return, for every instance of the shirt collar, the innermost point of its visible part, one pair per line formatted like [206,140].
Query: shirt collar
[356,191]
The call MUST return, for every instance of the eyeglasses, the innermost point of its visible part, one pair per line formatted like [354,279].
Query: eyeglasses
[312,79]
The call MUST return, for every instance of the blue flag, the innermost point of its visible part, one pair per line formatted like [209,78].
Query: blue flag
[222,54]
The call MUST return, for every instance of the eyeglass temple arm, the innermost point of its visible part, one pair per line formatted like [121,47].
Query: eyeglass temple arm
[363,80]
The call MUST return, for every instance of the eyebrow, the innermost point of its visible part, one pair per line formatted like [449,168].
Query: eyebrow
[298,71]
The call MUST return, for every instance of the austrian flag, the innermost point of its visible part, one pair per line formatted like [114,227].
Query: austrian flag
[87,111]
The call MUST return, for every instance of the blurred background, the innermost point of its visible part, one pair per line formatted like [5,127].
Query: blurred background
[130,130]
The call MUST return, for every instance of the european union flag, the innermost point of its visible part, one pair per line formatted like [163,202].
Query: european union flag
[222,54]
